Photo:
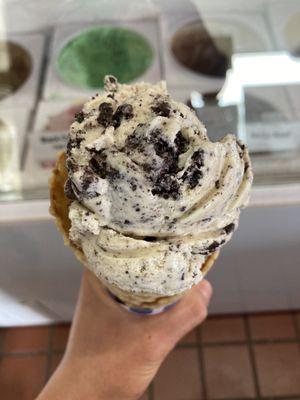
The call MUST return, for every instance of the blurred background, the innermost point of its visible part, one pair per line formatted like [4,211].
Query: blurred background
[237,64]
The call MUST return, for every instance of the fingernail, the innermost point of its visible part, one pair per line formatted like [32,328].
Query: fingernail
[206,289]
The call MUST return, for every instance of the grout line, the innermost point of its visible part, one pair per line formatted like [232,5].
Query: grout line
[242,398]
[291,397]
[245,398]
[296,326]
[252,357]
[239,342]
[252,314]
[201,363]
[180,346]
[24,353]
[29,353]
[49,353]
[151,391]
[2,338]
[258,341]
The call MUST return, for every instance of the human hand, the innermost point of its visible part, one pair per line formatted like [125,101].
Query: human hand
[114,355]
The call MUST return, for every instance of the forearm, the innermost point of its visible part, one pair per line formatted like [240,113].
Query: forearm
[93,362]
[71,383]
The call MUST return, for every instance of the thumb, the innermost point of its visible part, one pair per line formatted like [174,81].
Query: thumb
[190,311]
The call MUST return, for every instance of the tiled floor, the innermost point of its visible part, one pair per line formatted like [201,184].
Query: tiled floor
[235,357]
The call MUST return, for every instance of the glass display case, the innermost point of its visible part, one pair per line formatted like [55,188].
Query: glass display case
[237,65]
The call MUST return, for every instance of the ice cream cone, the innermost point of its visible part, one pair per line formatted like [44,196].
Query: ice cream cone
[59,208]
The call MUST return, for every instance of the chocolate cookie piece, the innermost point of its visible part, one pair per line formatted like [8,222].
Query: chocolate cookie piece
[79,117]
[136,140]
[99,165]
[105,116]
[241,145]
[155,134]
[88,178]
[193,174]
[123,111]
[181,143]
[150,238]
[198,158]
[214,245]
[164,150]
[71,166]
[73,143]
[148,168]
[132,141]
[77,142]
[229,228]
[162,109]
[69,147]
[68,189]
[166,186]
[110,83]
[133,184]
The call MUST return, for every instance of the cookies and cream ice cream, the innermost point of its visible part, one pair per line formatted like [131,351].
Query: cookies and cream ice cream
[152,196]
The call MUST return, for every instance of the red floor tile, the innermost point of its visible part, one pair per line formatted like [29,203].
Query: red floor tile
[272,326]
[55,360]
[2,330]
[278,367]
[22,377]
[26,339]
[179,377]
[223,329]
[144,397]
[298,324]
[190,338]
[60,336]
[228,372]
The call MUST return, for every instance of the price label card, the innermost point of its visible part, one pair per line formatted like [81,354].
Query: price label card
[273,136]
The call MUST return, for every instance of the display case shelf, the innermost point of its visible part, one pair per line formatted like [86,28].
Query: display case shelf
[257,102]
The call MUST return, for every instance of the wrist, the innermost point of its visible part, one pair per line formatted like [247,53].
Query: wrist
[79,379]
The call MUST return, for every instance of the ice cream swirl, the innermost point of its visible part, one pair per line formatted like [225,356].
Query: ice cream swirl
[153,197]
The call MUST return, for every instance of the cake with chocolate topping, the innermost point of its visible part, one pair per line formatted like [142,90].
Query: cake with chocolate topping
[150,199]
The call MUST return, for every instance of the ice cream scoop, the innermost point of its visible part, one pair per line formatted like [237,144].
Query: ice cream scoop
[151,197]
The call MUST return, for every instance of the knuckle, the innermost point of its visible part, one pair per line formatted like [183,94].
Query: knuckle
[203,312]
[198,310]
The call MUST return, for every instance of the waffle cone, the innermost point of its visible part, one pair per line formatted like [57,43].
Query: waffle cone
[59,208]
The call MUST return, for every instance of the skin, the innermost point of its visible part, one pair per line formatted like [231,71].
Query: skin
[113,354]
